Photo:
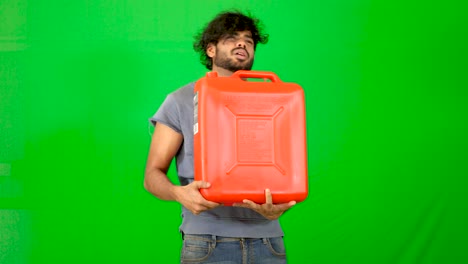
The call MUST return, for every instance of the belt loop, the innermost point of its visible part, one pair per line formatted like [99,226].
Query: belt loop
[213,242]
[265,241]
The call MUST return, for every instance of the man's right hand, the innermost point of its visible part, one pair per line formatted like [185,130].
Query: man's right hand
[190,197]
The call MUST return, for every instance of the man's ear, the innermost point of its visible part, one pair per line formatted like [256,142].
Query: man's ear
[211,50]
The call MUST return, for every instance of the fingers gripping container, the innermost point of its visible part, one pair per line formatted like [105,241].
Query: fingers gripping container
[249,136]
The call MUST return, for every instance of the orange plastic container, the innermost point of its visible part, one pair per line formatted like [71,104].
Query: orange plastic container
[249,136]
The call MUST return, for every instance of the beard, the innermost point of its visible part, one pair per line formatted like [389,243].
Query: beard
[232,64]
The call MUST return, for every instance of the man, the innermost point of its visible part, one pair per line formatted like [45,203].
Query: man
[246,232]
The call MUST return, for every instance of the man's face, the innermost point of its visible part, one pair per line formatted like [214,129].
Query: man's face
[234,52]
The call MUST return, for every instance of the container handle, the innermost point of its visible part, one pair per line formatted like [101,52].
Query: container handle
[256,74]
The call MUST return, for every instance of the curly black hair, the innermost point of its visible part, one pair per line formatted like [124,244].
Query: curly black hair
[224,24]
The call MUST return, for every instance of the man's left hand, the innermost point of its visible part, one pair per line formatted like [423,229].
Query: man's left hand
[268,210]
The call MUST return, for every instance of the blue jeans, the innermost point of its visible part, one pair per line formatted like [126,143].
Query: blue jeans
[203,249]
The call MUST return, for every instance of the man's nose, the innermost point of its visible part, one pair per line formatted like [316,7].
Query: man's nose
[241,44]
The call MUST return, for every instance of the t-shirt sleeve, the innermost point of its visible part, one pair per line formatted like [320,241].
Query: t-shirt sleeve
[168,114]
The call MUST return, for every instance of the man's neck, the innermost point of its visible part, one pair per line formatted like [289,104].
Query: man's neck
[222,72]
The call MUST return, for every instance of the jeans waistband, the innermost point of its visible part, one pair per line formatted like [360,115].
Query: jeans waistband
[209,238]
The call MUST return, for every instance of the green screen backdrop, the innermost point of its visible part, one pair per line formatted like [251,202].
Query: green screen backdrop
[387,122]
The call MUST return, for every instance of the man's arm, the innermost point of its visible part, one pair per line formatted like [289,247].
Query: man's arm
[164,146]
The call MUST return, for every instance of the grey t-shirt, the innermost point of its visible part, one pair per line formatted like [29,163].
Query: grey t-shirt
[176,112]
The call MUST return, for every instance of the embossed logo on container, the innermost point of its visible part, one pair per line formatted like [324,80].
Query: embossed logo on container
[254,140]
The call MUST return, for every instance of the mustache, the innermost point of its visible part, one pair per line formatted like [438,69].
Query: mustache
[236,49]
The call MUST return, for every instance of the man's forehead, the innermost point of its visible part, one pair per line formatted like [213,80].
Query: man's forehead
[245,33]
[241,33]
